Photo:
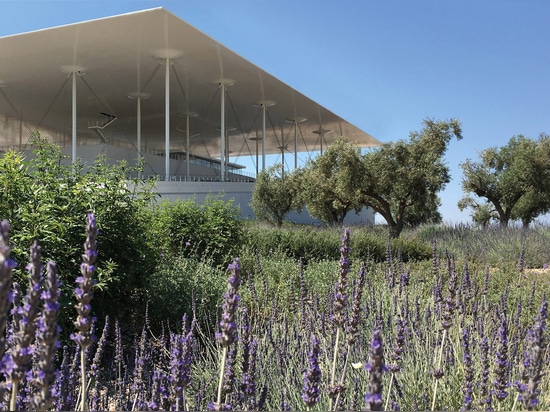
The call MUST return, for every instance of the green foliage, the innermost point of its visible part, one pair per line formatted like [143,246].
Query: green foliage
[48,201]
[318,244]
[328,182]
[276,193]
[514,179]
[179,282]
[399,180]
[212,230]
[405,174]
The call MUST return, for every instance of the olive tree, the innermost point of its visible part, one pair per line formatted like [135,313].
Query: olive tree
[401,177]
[330,183]
[276,194]
[514,178]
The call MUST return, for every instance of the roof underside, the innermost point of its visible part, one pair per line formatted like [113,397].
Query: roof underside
[121,55]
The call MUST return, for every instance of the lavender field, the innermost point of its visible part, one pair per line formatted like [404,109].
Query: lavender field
[464,330]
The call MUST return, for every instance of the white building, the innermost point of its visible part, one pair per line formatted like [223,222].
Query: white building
[149,85]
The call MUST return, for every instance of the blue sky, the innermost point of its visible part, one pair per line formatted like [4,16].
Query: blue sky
[382,65]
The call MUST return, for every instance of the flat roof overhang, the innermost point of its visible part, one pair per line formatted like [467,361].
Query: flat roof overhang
[123,55]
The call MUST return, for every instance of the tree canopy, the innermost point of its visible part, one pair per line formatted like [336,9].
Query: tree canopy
[276,194]
[330,183]
[405,177]
[514,178]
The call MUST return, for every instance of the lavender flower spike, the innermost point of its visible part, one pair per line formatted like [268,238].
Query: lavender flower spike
[84,292]
[341,297]
[533,364]
[312,377]
[376,367]
[6,266]
[47,340]
[25,316]
[228,327]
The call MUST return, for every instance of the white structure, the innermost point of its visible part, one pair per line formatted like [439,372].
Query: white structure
[148,84]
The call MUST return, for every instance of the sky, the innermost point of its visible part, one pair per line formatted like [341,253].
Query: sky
[384,66]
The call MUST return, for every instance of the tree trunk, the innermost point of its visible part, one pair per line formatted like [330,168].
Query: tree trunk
[395,228]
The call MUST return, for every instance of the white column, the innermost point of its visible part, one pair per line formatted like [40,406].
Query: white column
[187,149]
[73,142]
[295,144]
[138,129]
[222,131]
[264,109]
[167,120]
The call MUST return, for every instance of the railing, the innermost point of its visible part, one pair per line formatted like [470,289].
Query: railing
[183,178]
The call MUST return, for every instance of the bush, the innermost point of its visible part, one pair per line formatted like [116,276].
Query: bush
[178,283]
[312,243]
[47,201]
[212,230]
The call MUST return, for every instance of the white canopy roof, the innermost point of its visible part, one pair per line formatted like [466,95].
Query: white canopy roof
[121,56]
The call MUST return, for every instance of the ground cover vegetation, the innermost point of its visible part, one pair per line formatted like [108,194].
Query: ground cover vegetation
[444,332]
[192,309]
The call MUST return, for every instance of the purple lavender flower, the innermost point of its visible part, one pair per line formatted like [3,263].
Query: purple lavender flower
[6,267]
[181,358]
[248,385]
[397,352]
[84,292]
[533,363]
[376,368]
[469,373]
[84,336]
[484,394]
[228,327]
[312,376]
[501,361]
[47,339]
[19,357]
[229,370]
[96,362]
[341,297]
[353,323]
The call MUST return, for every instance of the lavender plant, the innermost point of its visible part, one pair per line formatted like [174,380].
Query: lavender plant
[47,340]
[6,267]
[312,376]
[18,360]
[339,317]
[228,328]
[84,294]
[376,367]
[533,361]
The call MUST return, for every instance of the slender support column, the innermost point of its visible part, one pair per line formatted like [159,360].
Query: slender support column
[73,141]
[187,173]
[167,120]
[295,121]
[295,144]
[138,97]
[264,110]
[222,131]
[283,152]
[321,132]
[257,160]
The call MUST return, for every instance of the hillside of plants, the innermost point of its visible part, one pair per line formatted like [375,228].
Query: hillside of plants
[111,299]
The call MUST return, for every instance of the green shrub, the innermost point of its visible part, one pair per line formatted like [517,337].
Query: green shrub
[48,201]
[211,230]
[178,283]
